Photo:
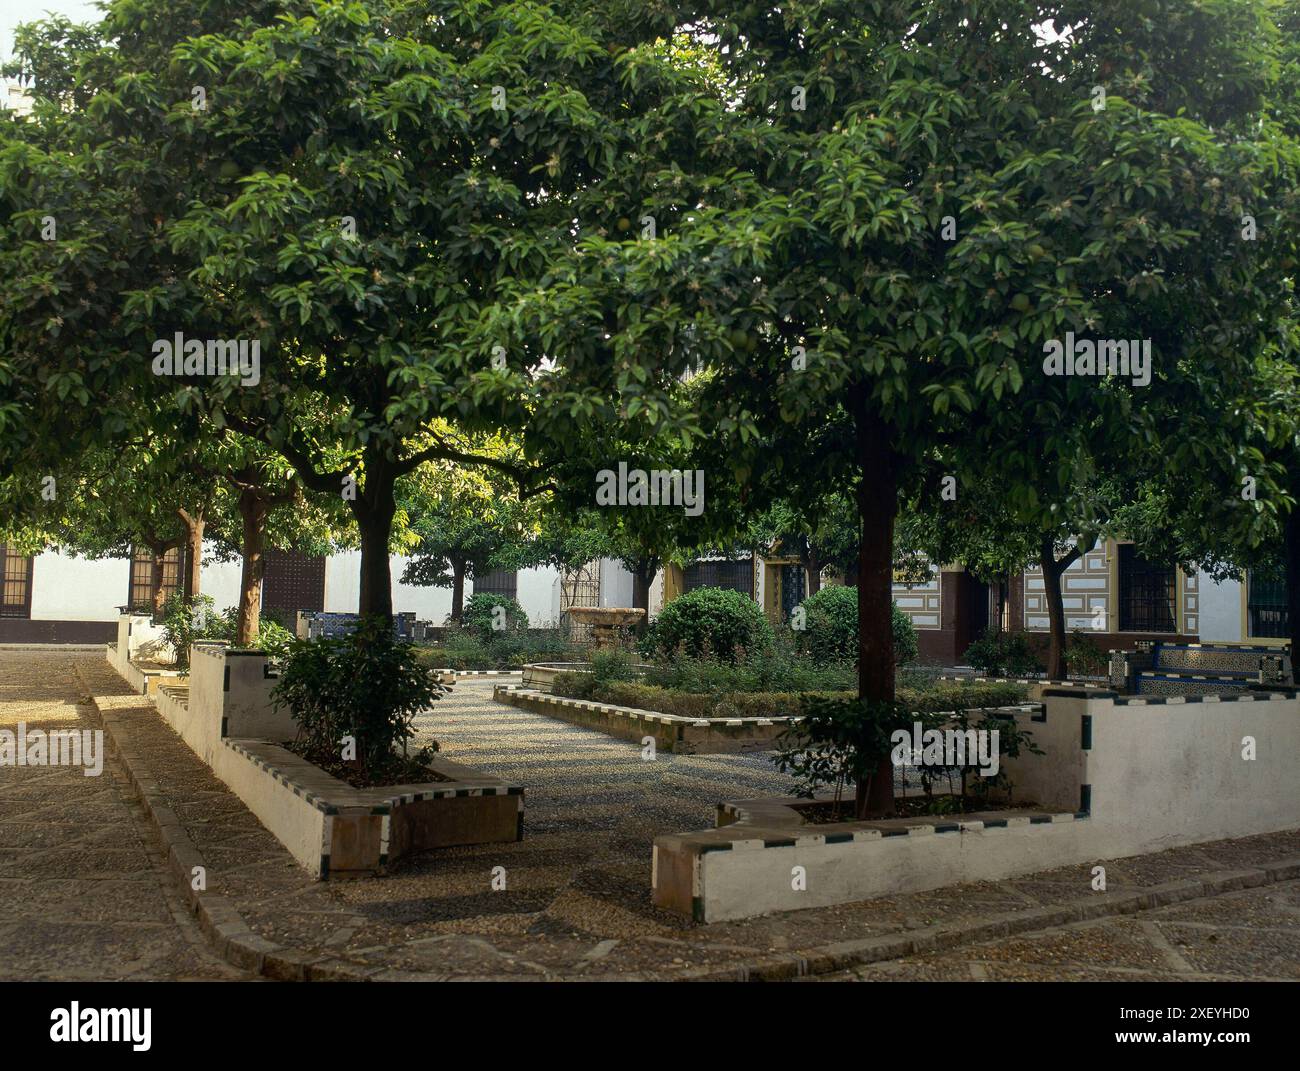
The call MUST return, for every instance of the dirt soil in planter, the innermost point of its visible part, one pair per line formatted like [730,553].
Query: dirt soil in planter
[400,770]
[824,812]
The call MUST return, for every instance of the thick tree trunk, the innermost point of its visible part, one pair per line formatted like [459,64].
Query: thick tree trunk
[1292,535]
[1052,570]
[193,552]
[374,510]
[253,511]
[877,506]
[457,589]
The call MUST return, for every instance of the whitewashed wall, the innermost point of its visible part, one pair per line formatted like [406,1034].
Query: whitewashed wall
[67,588]
[1220,610]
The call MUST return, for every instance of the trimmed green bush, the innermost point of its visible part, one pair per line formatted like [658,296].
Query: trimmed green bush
[488,615]
[1003,654]
[367,685]
[831,627]
[766,704]
[726,625]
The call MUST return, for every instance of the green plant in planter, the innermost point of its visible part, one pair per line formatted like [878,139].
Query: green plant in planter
[489,616]
[1001,654]
[839,742]
[367,685]
[1084,658]
[182,624]
[705,622]
[830,631]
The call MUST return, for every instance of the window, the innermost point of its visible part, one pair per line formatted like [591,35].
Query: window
[15,583]
[497,582]
[1266,605]
[1146,593]
[732,575]
[141,595]
[292,582]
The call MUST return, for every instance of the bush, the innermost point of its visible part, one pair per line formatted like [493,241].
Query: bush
[831,628]
[727,625]
[772,702]
[488,615]
[367,685]
[463,649]
[1002,654]
[1084,658]
[182,624]
[839,742]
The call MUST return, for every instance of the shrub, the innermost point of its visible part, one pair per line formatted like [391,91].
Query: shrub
[1003,654]
[182,624]
[831,627]
[488,615]
[367,685]
[709,621]
[1084,658]
[839,742]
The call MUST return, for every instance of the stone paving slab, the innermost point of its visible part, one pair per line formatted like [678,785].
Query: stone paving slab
[577,901]
[79,854]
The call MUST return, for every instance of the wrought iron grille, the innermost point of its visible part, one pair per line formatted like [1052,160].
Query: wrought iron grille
[497,582]
[1146,593]
[292,582]
[141,595]
[732,575]
[15,583]
[1266,603]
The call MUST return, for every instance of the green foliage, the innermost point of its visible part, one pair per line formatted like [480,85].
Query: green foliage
[726,625]
[1083,657]
[366,685]
[183,624]
[488,615]
[1003,654]
[839,742]
[831,627]
[462,649]
[727,702]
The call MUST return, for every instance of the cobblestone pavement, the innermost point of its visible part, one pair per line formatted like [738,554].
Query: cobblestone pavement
[577,899]
[80,872]
[1251,934]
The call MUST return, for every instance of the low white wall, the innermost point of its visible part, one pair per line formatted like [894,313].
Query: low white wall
[1154,775]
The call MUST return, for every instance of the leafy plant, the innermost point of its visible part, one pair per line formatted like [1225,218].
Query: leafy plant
[831,627]
[366,685]
[1003,654]
[182,624]
[716,622]
[840,742]
[488,615]
[1083,657]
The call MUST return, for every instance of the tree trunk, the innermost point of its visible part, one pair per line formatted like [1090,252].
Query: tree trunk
[877,506]
[813,564]
[457,589]
[253,511]
[374,510]
[159,599]
[193,551]
[1052,570]
[1292,536]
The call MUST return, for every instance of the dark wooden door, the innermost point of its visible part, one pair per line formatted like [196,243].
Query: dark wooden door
[292,582]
